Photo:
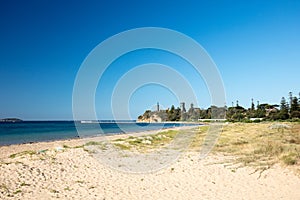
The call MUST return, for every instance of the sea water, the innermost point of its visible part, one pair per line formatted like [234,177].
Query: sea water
[37,131]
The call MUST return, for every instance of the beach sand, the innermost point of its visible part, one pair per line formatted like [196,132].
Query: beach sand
[67,172]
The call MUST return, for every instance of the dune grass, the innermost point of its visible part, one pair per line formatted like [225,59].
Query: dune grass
[29,152]
[147,142]
[92,143]
[259,145]
[249,144]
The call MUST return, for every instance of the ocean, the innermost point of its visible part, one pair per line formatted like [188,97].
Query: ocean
[38,131]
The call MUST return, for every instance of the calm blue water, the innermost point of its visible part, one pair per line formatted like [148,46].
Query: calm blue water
[36,131]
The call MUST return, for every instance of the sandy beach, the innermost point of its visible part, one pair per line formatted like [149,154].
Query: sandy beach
[150,100]
[65,170]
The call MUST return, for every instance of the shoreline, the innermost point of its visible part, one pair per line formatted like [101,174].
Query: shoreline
[75,135]
[36,146]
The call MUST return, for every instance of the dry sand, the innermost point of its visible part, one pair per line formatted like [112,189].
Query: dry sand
[72,173]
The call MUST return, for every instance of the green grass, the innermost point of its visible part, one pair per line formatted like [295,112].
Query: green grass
[290,159]
[54,191]
[92,143]
[17,191]
[135,141]
[22,154]
[67,188]
[121,139]
[24,184]
[122,146]
[79,146]
[101,145]
[66,146]
[144,143]
[81,182]
[4,187]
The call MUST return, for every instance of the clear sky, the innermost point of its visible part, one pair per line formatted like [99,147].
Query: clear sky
[255,45]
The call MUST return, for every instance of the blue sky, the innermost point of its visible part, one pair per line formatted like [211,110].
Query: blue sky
[255,45]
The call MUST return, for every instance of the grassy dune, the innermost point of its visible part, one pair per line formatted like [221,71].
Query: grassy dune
[261,145]
[258,145]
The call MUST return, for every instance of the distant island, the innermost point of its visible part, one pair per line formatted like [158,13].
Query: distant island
[13,120]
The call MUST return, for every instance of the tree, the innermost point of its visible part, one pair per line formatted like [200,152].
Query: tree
[284,110]
[174,114]
[177,114]
[274,115]
[283,104]
[237,113]
[260,111]
[295,114]
[252,105]
[294,104]
[171,113]
[218,112]
[295,109]
[204,114]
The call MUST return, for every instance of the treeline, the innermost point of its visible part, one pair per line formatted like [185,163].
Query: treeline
[286,110]
[172,114]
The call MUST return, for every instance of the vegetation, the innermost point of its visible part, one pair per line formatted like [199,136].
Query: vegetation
[262,112]
[147,142]
[91,143]
[22,154]
[257,145]
[267,112]
[173,114]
